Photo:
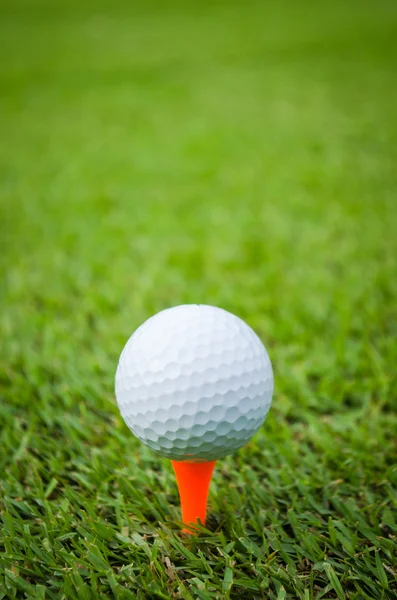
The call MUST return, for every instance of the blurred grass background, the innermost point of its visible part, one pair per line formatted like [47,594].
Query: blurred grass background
[242,155]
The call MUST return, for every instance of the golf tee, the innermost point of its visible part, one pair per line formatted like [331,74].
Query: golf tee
[193,481]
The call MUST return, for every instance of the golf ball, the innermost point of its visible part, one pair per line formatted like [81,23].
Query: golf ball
[194,383]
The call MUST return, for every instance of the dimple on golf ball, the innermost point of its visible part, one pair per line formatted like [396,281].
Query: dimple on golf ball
[194,383]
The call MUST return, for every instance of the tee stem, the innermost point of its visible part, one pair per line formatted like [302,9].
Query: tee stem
[193,481]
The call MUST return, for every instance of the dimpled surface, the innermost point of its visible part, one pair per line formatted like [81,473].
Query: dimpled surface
[194,382]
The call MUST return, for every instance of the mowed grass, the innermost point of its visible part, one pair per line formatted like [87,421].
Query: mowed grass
[237,155]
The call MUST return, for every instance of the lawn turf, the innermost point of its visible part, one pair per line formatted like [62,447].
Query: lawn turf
[241,155]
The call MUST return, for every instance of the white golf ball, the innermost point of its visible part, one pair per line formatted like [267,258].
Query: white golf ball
[194,383]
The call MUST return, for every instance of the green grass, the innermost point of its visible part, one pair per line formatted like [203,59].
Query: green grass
[241,155]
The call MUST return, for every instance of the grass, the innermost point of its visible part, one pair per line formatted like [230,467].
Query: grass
[236,155]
